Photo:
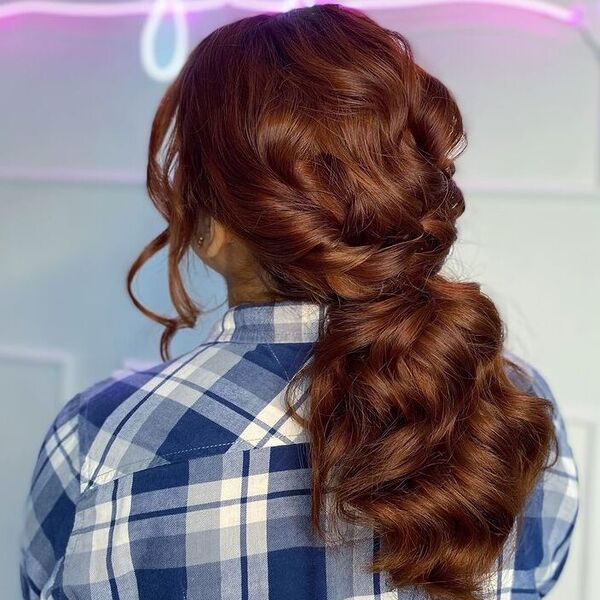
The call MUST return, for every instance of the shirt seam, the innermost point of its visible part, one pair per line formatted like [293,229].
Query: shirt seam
[104,475]
[278,362]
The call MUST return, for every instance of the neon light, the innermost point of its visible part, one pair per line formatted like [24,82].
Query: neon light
[156,10]
[145,7]
[147,42]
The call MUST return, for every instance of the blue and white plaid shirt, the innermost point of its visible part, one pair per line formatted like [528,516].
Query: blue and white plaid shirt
[188,481]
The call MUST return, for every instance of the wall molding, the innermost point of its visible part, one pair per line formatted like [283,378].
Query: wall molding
[508,188]
[50,357]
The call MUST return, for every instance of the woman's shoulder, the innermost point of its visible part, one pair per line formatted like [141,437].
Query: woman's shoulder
[124,421]
[550,514]
[198,404]
[137,417]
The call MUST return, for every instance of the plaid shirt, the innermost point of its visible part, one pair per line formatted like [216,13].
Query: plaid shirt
[187,481]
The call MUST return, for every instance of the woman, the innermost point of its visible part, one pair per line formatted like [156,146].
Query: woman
[352,427]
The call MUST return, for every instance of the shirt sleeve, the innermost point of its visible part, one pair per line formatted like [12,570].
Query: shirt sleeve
[553,509]
[50,503]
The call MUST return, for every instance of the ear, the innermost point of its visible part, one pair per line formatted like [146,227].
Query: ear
[214,239]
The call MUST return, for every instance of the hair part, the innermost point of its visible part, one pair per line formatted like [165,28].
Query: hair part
[317,139]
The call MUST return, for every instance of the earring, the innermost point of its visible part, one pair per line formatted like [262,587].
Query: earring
[201,239]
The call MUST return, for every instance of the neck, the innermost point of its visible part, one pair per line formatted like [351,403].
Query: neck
[238,293]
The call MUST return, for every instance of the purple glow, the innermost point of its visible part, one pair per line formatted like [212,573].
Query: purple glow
[572,15]
[155,11]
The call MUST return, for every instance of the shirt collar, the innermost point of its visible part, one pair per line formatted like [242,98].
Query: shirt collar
[295,321]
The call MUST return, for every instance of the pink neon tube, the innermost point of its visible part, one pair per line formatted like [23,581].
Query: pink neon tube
[144,7]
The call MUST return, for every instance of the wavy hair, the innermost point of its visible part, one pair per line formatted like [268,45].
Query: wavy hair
[315,137]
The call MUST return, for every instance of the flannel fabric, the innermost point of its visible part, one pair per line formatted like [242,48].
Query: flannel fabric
[188,481]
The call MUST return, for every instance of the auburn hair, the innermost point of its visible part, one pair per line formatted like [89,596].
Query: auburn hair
[315,137]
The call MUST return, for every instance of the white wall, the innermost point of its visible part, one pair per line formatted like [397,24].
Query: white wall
[75,110]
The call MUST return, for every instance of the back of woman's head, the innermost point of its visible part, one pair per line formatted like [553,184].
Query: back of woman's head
[316,139]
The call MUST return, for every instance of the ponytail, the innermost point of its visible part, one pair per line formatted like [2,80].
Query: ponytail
[418,432]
